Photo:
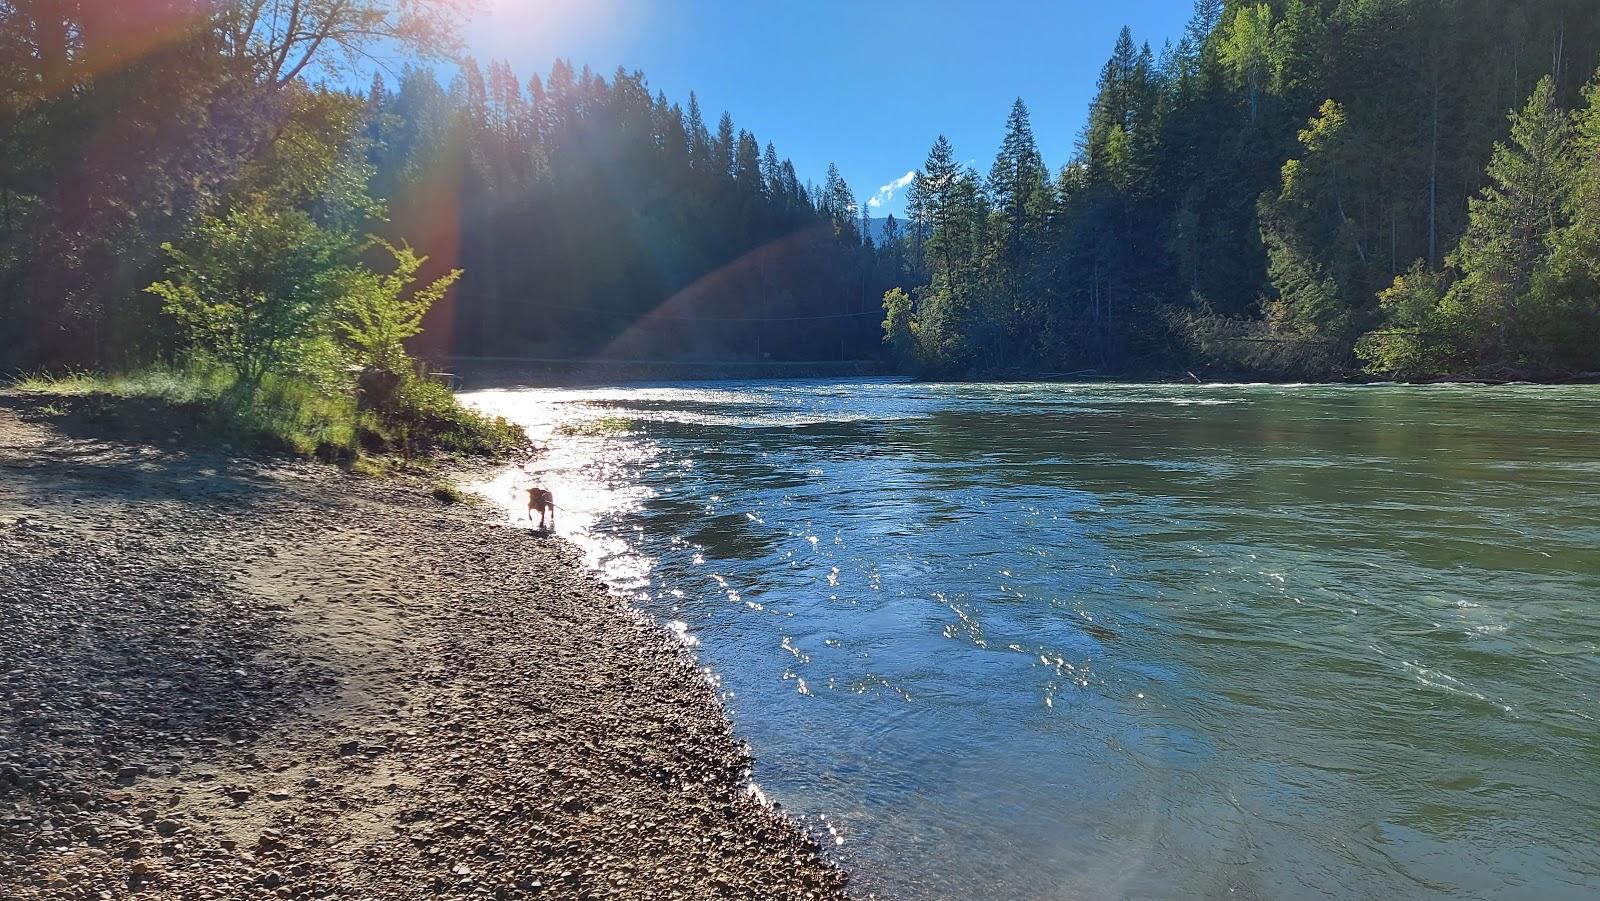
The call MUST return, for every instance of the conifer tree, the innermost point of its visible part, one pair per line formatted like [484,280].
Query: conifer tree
[723,147]
[1512,223]
[701,155]
[1017,184]
[1562,315]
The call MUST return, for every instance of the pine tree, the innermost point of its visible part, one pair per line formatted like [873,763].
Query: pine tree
[1020,193]
[839,204]
[1511,224]
[772,173]
[1017,183]
[701,155]
[747,166]
[891,251]
[722,147]
[1297,51]
[938,193]
[1110,113]
[917,217]
[1562,311]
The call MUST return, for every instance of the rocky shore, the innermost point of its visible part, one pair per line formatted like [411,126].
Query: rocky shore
[225,678]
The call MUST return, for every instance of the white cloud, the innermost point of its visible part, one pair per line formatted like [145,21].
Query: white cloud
[886,193]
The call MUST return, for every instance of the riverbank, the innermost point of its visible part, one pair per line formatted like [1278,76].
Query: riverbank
[228,678]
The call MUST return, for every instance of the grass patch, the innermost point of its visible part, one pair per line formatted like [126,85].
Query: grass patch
[283,414]
[448,493]
[425,416]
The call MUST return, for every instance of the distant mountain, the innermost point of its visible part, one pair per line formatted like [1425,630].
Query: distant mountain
[876,224]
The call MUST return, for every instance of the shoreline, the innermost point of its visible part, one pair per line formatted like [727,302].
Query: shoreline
[226,677]
[483,373]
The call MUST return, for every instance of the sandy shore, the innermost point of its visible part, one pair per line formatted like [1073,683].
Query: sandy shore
[221,678]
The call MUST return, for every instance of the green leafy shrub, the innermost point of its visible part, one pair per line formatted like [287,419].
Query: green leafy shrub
[378,314]
[1416,340]
[255,288]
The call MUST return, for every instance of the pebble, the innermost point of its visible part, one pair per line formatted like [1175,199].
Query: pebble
[466,711]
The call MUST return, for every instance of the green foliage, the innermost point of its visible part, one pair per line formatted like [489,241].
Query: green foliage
[281,414]
[1178,235]
[380,312]
[1417,339]
[1297,49]
[719,244]
[1237,345]
[205,401]
[1525,302]
[316,163]
[1304,221]
[448,493]
[1247,47]
[1511,223]
[1177,225]
[256,288]
[427,417]
[125,122]
[1561,312]
[899,327]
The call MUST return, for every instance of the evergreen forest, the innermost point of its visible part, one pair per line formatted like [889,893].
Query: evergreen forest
[1293,189]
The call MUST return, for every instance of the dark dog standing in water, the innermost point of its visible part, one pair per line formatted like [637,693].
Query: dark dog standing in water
[542,500]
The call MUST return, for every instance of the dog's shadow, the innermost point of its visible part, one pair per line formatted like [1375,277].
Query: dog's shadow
[528,525]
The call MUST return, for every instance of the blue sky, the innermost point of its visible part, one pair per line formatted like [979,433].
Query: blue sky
[867,85]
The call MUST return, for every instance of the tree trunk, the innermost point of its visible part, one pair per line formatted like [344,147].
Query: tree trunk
[1559,51]
[1433,181]
[1394,241]
[1338,201]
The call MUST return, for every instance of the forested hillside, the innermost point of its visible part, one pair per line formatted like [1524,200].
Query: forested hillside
[1296,188]
[1287,178]
[594,219]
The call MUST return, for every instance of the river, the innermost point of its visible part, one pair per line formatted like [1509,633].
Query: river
[1127,641]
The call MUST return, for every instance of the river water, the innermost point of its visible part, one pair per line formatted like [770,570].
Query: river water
[1127,641]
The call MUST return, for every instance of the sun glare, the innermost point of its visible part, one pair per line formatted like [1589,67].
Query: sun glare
[516,26]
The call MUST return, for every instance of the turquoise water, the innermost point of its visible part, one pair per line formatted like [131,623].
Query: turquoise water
[1128,641]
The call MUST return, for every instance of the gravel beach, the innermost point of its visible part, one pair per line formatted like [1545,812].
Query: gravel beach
[227,678]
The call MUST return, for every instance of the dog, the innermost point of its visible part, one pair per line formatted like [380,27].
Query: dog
[542,500]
